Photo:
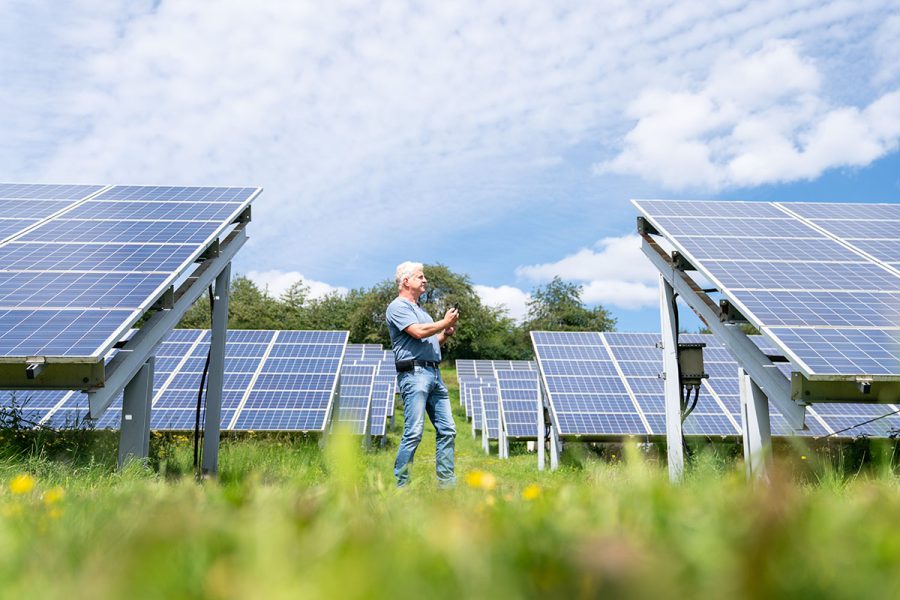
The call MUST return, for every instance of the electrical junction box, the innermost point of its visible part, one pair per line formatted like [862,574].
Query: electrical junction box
[690,363]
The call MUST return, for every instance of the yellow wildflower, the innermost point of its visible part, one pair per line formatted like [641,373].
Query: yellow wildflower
[490,500]
[54,495]
[481,479]
[21,484]
[531,492]
[802,457]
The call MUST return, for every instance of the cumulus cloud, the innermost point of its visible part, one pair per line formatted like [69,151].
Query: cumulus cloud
[346,110]
[757,119]
[276,283]
[510,298]
[614,272]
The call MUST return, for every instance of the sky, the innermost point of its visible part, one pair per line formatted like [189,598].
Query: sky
[501,139]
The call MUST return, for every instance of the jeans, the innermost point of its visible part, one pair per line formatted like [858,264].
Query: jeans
[423,390]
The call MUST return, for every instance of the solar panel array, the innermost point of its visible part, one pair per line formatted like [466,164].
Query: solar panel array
[274,380]
[821,280]
[608,384]
[383,386]
[520,401]
[79,264]
[487,405]
[355,400]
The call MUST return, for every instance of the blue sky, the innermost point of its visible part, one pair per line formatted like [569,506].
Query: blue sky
[501,139]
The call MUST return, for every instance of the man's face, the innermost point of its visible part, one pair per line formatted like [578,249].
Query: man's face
[416,283]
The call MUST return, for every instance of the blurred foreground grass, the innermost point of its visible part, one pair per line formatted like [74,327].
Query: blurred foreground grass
[286,519]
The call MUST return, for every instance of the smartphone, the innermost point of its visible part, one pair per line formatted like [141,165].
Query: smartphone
[456,306]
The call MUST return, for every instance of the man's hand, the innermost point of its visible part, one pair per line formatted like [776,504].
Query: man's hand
[449,331]
[450,318]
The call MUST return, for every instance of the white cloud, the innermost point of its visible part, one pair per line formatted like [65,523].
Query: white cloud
[514,300]
[345,111]
[615,272]
[276,283]
[760,118]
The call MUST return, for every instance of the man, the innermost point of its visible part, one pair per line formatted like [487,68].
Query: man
[417,341]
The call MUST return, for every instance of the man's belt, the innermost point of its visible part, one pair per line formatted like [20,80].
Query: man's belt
[407,365]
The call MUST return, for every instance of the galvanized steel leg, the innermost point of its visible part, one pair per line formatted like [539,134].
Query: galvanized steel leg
[554,449]
[134,434]
[755,423]
[675,451]
[216,377]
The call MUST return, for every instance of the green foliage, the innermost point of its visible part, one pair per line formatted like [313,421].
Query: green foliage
[287,518]
[557,306]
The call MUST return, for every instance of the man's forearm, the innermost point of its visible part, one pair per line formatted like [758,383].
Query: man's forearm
[425,330]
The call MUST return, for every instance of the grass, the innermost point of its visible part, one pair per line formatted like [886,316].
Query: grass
[287,519]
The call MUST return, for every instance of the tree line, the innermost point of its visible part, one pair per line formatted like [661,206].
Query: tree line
[485,333]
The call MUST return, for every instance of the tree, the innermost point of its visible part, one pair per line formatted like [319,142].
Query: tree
[557,306]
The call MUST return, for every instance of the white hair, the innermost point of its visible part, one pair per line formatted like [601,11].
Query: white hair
[405,270]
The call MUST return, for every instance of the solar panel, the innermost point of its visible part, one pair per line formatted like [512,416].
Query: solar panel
[520,402]
[356,396]
[586,393]
[717,412]
[490,407]
[260,392]
[818,279]
[81,265]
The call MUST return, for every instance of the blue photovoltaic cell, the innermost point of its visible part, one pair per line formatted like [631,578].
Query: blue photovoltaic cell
[355,398]
[31,209]
[737,275]
[77,290]
[762,228]
[57,332]
[477,410]
[16,256]
[818,211]
[829,308]
[154,211]
[884,250]
[107,232]
[585,403]
[47,191]
[823,309]
[490,411]
[839,351]
[10,227]
[91,255]
[287,399]
[180,194]
[759,249]
[382,396]
[519,398]
[280,420]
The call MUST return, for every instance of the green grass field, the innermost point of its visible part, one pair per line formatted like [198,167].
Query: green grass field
[287,520]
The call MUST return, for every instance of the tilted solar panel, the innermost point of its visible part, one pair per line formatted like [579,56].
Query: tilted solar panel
[820,280]
[83,263]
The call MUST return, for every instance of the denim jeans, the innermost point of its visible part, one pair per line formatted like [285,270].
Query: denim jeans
[423,390]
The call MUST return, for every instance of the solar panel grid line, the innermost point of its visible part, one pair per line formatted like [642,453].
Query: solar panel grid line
[256,374]
[62,401]
[52,216]
[842,240]
[151,295]
[715,396]
[356,413]
[626,385]
[201,335]
[742,308]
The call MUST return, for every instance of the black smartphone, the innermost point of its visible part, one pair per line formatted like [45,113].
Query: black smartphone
[456,306]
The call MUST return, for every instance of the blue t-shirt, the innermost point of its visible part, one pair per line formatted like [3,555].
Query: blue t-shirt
[402,313]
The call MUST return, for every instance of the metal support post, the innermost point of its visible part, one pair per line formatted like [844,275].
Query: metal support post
[541,432]
[504,445]
[674,448]
[134,435]
[554,448]
[216,378]
[755,423]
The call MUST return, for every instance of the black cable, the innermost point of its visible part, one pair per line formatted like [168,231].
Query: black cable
[197,432]
[858,425]
[687,410]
